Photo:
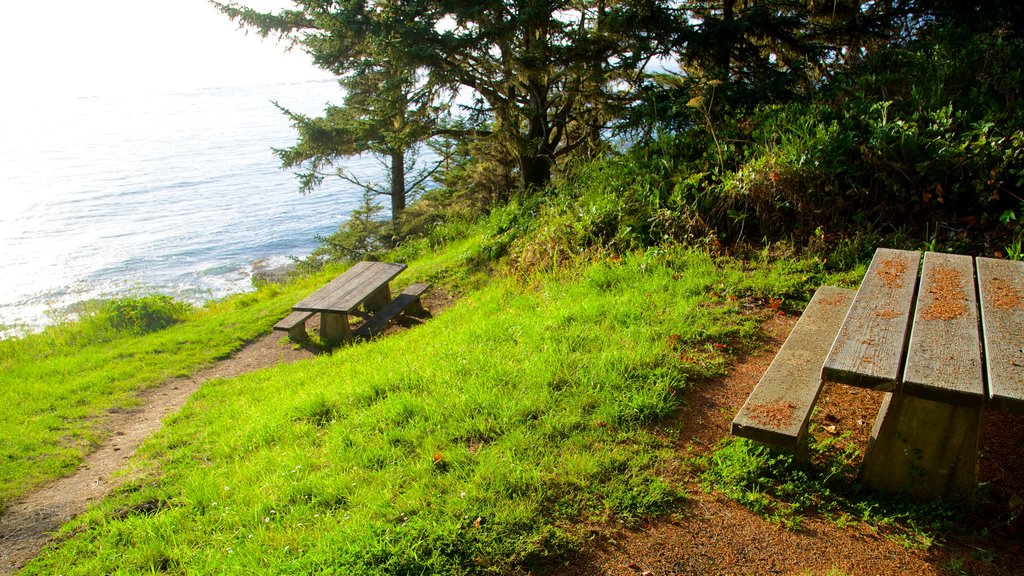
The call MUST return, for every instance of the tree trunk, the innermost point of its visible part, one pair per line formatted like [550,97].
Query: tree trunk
[536,160]
[397,183]
[726,42]
[535,168]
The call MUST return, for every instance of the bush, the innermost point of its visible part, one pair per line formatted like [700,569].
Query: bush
[923,138]
[140,315]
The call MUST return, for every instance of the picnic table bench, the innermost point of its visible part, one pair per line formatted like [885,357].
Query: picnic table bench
[365,284]
[944,346]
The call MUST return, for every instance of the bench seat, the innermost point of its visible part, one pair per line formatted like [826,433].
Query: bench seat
[295,325]
[408,301]
[1001,287]
[779,407]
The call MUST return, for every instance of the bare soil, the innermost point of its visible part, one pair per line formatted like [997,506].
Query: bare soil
[712,535]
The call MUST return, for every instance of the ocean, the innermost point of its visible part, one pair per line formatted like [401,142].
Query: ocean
[176,193]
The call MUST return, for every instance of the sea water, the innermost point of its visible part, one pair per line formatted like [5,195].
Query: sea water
[175,193]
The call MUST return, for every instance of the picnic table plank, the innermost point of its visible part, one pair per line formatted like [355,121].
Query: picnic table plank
[868,350]
[777,410]
[1001,288]
[407,300]
[944,354]
[309,303]
[372,282]
[346,292]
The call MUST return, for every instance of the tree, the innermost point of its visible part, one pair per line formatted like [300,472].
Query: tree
[384,113]
[388,111]
[548,73]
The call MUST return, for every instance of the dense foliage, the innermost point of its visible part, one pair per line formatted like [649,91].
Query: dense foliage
[698,122]
[918,141]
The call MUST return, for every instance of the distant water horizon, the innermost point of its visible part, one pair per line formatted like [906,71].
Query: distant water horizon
[176,193]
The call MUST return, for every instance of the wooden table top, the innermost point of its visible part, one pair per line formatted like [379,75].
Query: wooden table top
[954,335]
[346,292]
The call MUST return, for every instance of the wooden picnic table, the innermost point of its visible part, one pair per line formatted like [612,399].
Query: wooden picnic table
[364,284]
[944,346]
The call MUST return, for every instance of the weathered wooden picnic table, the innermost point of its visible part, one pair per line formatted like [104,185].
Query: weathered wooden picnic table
[364,284]
[944,346]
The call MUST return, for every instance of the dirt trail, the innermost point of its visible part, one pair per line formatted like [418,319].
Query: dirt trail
[711,535]
[27,525]
[29,522]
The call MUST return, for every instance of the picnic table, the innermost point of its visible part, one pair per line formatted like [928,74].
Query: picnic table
[944,345]
[365,284]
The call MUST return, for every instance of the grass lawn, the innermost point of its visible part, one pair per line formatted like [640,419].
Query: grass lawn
[53,385]
[479,441]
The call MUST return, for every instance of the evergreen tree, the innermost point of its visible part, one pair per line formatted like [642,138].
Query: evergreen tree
[548,74]
[387,113]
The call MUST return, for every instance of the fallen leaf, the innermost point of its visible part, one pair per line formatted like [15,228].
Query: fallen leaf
[830,429]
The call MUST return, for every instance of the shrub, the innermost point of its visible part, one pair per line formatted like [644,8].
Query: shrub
[140,315]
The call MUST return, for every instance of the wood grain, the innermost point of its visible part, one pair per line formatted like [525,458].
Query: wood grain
[869,348]
[777,410]
[346,292]
[1001,295]
[292,320]
[944,354]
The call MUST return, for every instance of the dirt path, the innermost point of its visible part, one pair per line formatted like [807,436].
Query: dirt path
[714,535]
[26,526]
[28,523]
[710,535]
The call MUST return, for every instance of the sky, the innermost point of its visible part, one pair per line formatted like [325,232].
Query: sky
[81,48]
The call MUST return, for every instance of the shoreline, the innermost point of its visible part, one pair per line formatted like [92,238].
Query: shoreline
[41,312]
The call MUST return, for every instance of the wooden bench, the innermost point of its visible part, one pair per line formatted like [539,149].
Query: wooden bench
[920,339]
[777,410]
[365,284]
[408,301]
[1001,299]
[295,325]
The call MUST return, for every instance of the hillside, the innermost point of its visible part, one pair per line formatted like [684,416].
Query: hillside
[566,413]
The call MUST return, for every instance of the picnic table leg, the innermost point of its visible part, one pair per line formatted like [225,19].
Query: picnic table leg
[334,328]
[379,299]
[925,448]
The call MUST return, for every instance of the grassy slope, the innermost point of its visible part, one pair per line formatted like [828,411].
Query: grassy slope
[54,384]
[473,442]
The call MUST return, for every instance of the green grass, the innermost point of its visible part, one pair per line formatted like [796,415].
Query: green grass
[481,441]
[53,385]
[782,489]
[477,442]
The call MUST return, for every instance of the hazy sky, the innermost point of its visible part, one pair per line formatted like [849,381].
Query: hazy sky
[101,47]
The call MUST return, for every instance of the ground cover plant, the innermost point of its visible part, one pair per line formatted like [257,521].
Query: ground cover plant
[478,442]
[55,385]
[783,489]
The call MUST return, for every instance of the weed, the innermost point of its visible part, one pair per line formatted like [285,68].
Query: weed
[782,489]
[1015,250]
[955,567]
